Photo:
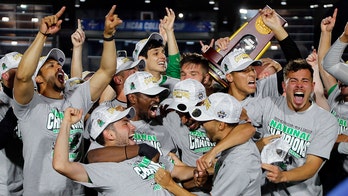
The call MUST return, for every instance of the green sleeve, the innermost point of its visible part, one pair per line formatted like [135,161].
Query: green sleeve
[173,69]
[331,89]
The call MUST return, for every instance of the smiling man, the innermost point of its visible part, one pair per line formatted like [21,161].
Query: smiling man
[110,127]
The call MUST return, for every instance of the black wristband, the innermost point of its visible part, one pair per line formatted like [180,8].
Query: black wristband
[45,34]
[147,151]
[109,38]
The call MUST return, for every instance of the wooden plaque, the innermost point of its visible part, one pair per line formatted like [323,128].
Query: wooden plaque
[254,37]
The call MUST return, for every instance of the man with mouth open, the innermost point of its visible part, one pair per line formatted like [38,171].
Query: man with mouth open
[143,94]
[309,130]
[40,112]
[110,127]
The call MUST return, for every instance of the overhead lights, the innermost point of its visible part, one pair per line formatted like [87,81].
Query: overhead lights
[34,19]
[77,3]
[23,6]
[147,1]
[314,6]
[283,2]
[211,2]
[243,11]
[274,47]
[327,5]
[181,15]
[216,7]
[5,19]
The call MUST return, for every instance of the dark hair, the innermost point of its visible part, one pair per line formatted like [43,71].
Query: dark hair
[100,139]
[150,45]
[296,65]
[195,58]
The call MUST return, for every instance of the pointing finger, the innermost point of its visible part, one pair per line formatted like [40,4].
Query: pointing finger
[60,12]
[111,12]
[79,26]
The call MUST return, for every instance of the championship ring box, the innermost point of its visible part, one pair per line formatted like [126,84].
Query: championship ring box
[254,37]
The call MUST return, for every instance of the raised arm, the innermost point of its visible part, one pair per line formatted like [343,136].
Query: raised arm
[23,84]
[288,46]
[61,163]
[167,24]
[107,68]
[326,26]
[77,39]
[319,94]
[332,62]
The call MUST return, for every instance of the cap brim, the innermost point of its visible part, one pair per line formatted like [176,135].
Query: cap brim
[124,66]
[180,107]
[129,113]
[140,64]
[247,64]
[153,36]
[155,90]
[54,53]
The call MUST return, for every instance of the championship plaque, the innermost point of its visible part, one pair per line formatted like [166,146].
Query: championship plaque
[254,37]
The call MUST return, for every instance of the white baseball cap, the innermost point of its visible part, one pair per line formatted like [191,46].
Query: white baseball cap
[124,63]
[103,115]
[237,61]
[218,106]
[9,61]
[55,54]
[141,44]
[142,82]
[186,94]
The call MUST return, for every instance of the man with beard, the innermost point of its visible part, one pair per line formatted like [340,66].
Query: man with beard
[309,130]
[110,127]
[143,93]
[40,112]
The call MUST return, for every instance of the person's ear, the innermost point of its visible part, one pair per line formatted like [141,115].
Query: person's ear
[39,79]
[132,99]
[221,126]
[108,134]
[206,79]
[118,80]
[5,76]
[229,77]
